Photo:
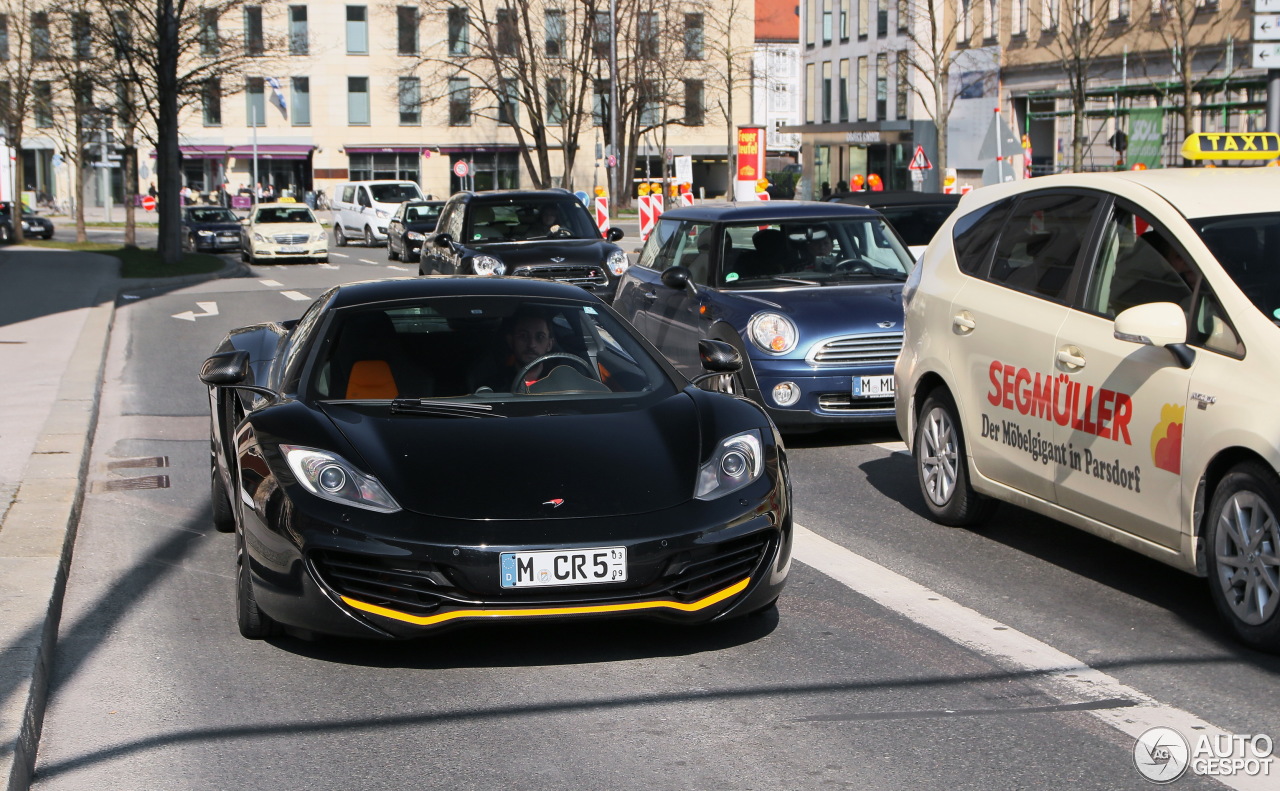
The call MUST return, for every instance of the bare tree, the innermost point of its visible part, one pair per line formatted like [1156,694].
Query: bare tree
[729,68]
[932,29]
[28,43]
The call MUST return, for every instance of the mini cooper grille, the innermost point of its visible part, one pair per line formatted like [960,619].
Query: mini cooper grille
[842,402]
[707,571]
[291,238]
[578,275]
[402,585]
[880,348]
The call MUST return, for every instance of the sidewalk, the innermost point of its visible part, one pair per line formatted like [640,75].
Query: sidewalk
[56,314]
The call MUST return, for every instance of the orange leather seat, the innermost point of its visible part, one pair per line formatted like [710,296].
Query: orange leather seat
[371,379]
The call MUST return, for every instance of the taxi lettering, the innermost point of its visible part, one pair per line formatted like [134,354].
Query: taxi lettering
[1098,411]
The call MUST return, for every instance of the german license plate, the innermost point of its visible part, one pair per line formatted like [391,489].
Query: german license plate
[292,249]
[872,386]
[563,567]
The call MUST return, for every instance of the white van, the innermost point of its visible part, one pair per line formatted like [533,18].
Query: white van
[362,209]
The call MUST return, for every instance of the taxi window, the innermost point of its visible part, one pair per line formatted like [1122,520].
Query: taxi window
[1245,247]
[974,234]
[1041,243]
[1138,263]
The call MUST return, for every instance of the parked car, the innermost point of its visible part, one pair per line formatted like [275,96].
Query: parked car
[210,229]
[1102,349]
[33,225]
[376,491]
[808,293]
[409,227]
[526,233]
[916,216]
[283,233]
[362,209]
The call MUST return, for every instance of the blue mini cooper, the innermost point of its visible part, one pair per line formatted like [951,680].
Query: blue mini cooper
[809,293]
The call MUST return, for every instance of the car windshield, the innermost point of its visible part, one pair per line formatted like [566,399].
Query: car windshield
[1245,246]
[394,193]
[492,350]
[818,252]
[284,214]
[212,215]
[917,224]
[520,221]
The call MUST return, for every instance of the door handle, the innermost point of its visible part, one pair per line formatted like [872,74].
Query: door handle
[651,295]
[1071,357]
[964,322]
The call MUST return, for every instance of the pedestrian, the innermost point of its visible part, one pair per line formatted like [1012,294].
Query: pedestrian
[152,190]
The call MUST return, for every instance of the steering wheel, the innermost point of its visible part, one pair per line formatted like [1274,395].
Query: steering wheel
[518,385]
[854,265]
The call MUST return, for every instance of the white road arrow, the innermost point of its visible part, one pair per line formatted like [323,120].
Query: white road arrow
[209,308]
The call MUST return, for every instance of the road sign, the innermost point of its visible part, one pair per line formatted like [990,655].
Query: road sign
[1266,55]
[460,169]
[1266,6]
[148,203]
[1266,27]
[919,161]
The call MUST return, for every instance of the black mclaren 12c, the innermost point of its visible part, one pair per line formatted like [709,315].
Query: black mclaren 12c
[416,454]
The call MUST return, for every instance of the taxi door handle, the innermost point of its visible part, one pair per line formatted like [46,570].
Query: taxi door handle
[650,295]
[1070,357]
[964,322]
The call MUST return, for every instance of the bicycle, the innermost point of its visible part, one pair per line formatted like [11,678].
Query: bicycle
[322,200]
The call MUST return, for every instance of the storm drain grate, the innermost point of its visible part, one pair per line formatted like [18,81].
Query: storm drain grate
[141,462]
[134,484]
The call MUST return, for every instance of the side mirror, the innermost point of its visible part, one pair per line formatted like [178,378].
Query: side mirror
[677,277]
[719,357]
[615,234]
[1156,324]
[443,240]
[225,369]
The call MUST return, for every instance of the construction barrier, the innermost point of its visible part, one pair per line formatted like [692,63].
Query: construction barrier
[602,215]
[645,204]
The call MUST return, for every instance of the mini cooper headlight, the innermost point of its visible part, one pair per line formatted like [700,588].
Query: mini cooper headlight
[488,265]
[618,263]
[738,461]
[773,333]
[414,236]
[331,477]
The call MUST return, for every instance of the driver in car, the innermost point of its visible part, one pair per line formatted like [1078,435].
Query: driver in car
[528,337]
[820,251]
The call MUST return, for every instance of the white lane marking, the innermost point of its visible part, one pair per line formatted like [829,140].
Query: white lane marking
[893,447]
[296,296]
[271,283]
[209,308]
[339,255]
[328,266]
[399,268]
[1068,678]
[367,261]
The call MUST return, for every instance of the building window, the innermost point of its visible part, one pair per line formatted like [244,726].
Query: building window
[904,15]
[124,101]
[602,33]
[407,29]
[555,101]
[966,23]
[358,101]
[650,104]
[410,95]
[42,103]
[863,6]
[211,102]
[210,42]
[695,112]
[253,44]
[844,19]
[694,39]
[649,33]
[459,34]
[555,33]
[882,86]
[1049,13]
[844,91]
[1020,12]
[40,43]
[459,101]
[862,88]
[600,104]
[810,92]
[826,22]
[507,38]
[4,36]
[882,18]
[357,30]
[826,92]
[81,36]
[301,97]
[255,102]
[398,167]
[903,89]
[508,114]
[298,39]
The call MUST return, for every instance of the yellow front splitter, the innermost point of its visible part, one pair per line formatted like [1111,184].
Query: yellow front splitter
[595,609]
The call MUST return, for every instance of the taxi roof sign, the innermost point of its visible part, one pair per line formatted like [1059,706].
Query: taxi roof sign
[1232,145]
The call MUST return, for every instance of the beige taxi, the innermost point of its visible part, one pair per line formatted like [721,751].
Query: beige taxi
[1103,349]
[279,233]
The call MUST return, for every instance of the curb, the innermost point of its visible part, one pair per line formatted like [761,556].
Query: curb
[39,533]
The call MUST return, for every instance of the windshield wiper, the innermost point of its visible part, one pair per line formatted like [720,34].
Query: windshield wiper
[424,406]
[801,281]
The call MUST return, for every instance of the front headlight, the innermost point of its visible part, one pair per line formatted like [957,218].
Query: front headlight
[618,263]
[257,237]
[382,215]
[773,333]
[738,461]
[204,233]
[331,477]
[322,237]
[488,265]
[414,236]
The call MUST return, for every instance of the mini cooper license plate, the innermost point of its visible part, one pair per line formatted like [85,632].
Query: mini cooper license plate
[871,386]
[563,567]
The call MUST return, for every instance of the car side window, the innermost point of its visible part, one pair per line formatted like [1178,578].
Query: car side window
[974,234]
[349,194]
[656,253]
[692,250]
[363,197]
[1211,329]
[1040,245]
[1138,263]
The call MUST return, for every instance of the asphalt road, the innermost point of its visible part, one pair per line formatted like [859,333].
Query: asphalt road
[903,654]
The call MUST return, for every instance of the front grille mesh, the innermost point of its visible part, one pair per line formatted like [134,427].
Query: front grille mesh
[704,572]
[403,585]
[577,275]
[292,238]
[843,402]
[879,348]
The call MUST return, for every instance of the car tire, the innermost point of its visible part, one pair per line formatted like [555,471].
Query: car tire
[392,255]
[369,241]
[942,465]
[339,238]
[1242,542]
[224,520]
[244,255]
[6,234]
[191,244]
[253,622]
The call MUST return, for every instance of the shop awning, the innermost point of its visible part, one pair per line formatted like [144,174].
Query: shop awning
[265,151]
[388,148]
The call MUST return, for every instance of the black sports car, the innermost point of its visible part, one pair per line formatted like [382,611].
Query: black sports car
[407,228]
[210,229]
[420,453]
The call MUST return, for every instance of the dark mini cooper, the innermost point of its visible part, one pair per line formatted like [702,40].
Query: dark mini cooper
[810,294]
[210,229]
[530,233]
[418,453]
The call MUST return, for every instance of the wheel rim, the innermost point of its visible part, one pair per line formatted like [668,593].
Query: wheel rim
[939,456]
[1247,550]
[368,237]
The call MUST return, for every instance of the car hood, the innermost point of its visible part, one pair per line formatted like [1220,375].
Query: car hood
[273,228]
[573,251]
[628,461]
[827,311]
[215,226]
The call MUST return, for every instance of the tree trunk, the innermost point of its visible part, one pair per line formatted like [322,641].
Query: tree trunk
[15,214]
[168,157]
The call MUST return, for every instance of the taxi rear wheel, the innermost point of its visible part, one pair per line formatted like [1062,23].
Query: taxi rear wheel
[1243,546]
[942,466]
